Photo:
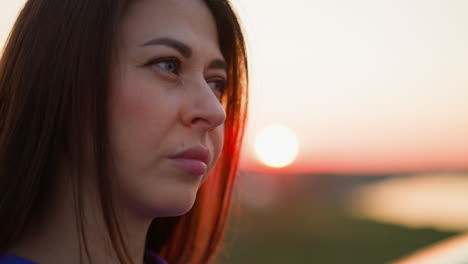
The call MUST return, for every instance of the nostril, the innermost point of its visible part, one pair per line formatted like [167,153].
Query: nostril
[197,120]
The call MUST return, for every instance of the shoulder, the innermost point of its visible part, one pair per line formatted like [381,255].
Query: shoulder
[10,258]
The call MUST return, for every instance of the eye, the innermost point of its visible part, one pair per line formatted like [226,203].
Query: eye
[168,65]
[218,86]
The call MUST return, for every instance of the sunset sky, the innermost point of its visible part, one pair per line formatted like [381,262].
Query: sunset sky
[367,85]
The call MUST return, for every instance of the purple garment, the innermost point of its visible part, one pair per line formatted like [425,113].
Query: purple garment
[10,258]
[155,258]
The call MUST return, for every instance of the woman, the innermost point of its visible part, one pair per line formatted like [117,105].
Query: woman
[112,114]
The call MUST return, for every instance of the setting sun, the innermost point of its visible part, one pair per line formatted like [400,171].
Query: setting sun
[276,146]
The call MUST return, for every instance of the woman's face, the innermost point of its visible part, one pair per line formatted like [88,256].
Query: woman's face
[166,119]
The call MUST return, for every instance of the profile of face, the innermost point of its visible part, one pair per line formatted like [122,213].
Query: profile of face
[166,118]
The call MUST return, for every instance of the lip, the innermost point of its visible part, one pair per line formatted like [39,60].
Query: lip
[194,160]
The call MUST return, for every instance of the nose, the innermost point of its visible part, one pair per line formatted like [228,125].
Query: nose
[202,109]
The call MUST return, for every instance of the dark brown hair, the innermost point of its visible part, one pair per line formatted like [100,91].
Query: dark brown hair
[54,79]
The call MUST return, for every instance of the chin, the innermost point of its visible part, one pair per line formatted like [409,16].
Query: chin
[176,206]
[180,209]
[162,201]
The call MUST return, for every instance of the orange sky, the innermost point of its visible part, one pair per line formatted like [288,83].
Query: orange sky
[368,85]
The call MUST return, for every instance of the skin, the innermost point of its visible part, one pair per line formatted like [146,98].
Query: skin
[162,101]
[159,109]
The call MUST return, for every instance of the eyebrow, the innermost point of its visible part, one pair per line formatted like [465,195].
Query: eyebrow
[218,64]
[185,50]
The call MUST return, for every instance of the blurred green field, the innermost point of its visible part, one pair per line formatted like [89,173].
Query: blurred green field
[301,231]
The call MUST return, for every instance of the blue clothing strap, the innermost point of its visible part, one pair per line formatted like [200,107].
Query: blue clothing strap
[155,258]
[10,258]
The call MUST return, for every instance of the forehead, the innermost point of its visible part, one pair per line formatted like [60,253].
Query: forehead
[189,21]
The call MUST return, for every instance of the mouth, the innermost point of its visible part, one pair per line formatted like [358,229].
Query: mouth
[193,160]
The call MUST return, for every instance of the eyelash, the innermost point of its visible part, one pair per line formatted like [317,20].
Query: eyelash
[174,60]
[222,90]
[218,81]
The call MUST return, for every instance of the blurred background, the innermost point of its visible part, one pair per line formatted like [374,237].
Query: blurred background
[357,142]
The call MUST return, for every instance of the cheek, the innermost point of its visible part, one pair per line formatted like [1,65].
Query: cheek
[137,100]
[141,105]
[133,107]
[130,121]
[138,120]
